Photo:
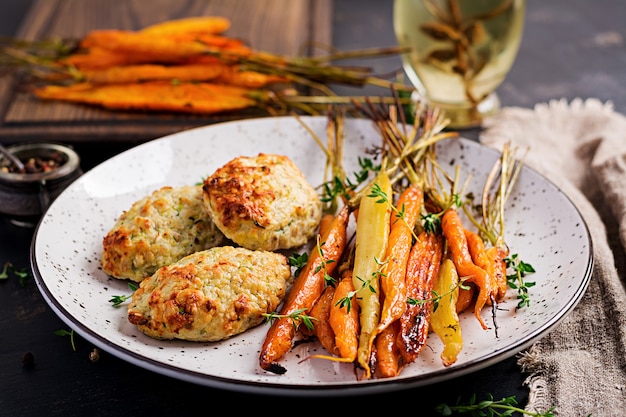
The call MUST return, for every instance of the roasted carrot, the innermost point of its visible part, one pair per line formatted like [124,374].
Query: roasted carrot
[372,233]
[344,318]
[444,320]
[233,75]
[466,297]
[151,72]
[388,358]
[320,314]
[201,98]
[479,256]
[198,25]
[496,256]
[307,288]
[129,42]
[421,272]
[454,232]
[392,281]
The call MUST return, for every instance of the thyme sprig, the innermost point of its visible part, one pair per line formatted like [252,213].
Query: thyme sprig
[118,300]
[70,333]
[296,316]
[516,279]
[22,274]
[436,297]
[490,408]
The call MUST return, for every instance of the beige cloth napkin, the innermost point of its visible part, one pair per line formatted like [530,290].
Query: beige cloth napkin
[580,367]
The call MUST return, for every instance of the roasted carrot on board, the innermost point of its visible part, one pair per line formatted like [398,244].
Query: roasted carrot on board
[213,25]
[307,288]
[372,233]
[200,98]
[454,232]
[421,273]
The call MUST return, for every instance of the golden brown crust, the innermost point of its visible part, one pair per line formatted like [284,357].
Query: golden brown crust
[263,202]
[210,295]
[157,230]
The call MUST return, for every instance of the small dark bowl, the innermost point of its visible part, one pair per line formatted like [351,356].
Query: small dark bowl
[25,197]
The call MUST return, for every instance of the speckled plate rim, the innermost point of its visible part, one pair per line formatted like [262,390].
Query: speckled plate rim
[266,129]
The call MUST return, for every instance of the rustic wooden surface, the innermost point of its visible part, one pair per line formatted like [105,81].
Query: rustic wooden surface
[303,23]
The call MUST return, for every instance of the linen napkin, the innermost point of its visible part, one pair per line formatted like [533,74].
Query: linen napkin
[579,367]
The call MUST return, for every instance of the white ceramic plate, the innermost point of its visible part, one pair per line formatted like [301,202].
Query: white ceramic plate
[542,226]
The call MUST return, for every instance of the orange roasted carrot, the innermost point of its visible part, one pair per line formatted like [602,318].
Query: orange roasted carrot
[421,272]
[344,318]
[496,256]
[454,232]
[478,252]
[233,75]
[129,42]
[388,358]
[200,98]
[392,280]
[466,297]
[211,25]
[306,289]
[320,314]
[151,72]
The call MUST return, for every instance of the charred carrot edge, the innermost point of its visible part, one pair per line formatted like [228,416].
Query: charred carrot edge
[454,232]
[422,271]
[306,290]
[398,249]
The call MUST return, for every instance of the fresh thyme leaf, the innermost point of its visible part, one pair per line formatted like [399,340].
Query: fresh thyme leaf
[118,300]
[21,274]
[489,407]
[516,279]
[70,333]
[298,261]
[295,316]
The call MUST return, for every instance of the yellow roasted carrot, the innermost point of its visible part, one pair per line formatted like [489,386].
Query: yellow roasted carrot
[372,232]
[444,320]
[454,232]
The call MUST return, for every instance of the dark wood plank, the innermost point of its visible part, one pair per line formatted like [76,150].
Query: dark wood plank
[303,24]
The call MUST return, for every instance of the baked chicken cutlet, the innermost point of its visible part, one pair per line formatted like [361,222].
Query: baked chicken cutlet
[210,295]
[157,230]
[263,202]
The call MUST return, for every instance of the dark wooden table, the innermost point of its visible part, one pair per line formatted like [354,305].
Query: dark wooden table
[570,49]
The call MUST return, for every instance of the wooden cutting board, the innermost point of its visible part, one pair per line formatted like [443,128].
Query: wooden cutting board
[286,27]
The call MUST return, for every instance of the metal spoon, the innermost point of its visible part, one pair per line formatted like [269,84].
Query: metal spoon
[12,158]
